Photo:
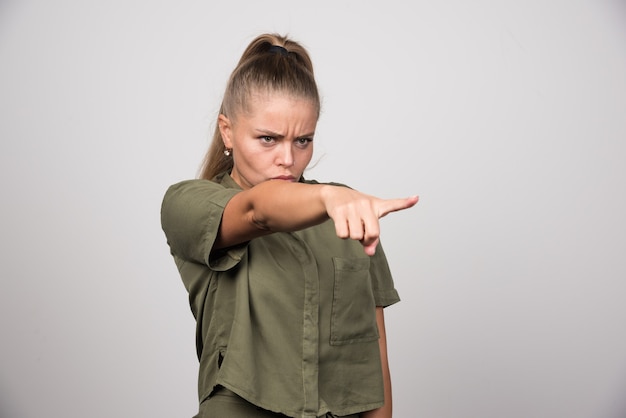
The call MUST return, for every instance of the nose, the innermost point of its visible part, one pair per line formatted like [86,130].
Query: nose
[285,156]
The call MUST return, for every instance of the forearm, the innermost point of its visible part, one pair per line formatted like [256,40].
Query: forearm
[280,206]
[271,206]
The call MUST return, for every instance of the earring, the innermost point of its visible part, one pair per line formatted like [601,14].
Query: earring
[227,152]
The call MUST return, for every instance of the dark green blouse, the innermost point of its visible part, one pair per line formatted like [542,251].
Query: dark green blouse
[286,321]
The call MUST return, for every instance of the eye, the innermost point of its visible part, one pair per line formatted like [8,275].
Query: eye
[303,142]
[265,139]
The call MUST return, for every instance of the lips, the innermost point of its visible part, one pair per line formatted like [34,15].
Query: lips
[288,178]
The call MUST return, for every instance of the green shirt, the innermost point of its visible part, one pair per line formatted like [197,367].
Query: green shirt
[287,321]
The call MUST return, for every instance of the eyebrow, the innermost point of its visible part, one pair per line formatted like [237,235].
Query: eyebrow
[281,136]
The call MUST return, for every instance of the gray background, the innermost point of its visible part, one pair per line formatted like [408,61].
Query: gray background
[507,117]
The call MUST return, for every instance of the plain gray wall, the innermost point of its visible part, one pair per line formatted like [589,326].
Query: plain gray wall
[507,117]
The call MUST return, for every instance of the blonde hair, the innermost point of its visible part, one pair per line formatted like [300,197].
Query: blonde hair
[265,68]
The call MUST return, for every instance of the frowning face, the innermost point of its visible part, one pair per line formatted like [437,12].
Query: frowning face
[273,139]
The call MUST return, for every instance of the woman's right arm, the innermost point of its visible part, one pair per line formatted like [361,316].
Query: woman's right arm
[280,206]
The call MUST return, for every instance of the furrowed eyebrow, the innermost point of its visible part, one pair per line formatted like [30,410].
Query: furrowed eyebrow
[281,136]
[266,132]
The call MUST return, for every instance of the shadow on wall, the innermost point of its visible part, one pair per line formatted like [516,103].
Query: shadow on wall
[8,406]
[617,408]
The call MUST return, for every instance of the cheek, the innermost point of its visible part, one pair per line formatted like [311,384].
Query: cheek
[255,161]
[304,156]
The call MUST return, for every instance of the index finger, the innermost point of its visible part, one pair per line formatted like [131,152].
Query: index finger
[394,205]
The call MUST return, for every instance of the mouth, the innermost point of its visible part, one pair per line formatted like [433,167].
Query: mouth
[287,178]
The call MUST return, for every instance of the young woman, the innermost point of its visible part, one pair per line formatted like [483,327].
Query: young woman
[286,277]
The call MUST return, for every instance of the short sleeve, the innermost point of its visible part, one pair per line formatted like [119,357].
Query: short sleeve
[385,293]
[191,213]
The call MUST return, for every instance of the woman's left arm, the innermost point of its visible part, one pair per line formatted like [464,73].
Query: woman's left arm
[386,409]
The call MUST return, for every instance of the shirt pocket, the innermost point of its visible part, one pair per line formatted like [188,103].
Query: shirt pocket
[353,312]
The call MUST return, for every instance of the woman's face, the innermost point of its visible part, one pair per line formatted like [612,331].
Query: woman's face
[274,140]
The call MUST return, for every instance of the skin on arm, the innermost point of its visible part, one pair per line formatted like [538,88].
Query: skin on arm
[271,206]
[282,206]
[386,410]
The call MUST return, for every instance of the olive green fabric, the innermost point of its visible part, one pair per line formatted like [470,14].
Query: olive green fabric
[286,321]
[226,404]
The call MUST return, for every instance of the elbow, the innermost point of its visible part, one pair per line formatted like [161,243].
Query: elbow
[259,223]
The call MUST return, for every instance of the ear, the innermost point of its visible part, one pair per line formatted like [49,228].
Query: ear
[225,126]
